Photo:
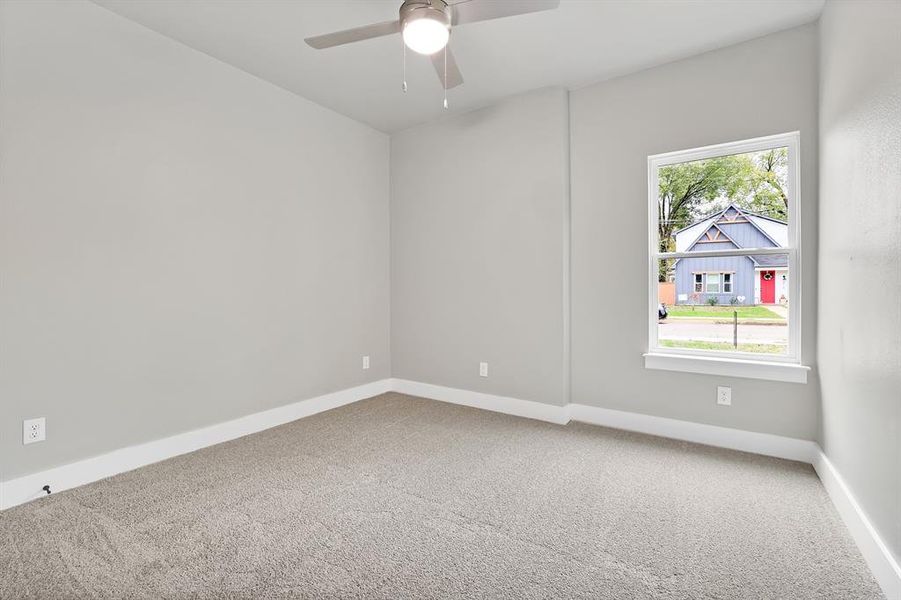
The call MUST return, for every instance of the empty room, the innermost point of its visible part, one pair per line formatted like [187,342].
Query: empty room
[392,299]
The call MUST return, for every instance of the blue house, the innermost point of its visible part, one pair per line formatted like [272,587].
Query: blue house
[749,279]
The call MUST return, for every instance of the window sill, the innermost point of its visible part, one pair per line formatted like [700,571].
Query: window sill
[728,367]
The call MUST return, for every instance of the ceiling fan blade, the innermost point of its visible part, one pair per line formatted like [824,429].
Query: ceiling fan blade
[357,34]
[454,78]
[470,11]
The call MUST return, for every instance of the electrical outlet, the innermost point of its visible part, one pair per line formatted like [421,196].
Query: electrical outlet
[34,430]
[724,395]
[483,369]
[365,362]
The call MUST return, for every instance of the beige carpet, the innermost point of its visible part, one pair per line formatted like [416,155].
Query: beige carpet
[399,497]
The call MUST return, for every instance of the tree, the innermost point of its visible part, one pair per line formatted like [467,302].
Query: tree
[767,195]
[684,186]
[691,191]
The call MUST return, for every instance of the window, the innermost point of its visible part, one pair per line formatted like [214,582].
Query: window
[724,232]
[710,283]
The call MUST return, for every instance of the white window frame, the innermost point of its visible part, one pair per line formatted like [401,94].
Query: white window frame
[723,282]
[719,279]
[695,283]
[785,367]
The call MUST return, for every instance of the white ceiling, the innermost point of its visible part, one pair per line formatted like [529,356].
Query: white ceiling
[581,42]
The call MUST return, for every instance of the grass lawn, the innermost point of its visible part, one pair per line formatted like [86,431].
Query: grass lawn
[696,345]
[725,312]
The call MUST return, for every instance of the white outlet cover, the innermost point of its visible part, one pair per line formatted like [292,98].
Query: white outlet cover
[365,362]
[483,369]
[34,430]
[724,395]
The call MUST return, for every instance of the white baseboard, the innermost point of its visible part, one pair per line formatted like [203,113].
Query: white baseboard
[877,555]
[699,433]
[501,404]
[711,435]
[28,487]
[879,558]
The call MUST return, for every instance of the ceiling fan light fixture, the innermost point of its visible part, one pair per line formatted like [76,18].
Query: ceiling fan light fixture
[426,36]
[425,25]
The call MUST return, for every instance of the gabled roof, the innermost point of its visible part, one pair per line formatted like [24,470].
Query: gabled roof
[686,236]
[773,229]
[718,236]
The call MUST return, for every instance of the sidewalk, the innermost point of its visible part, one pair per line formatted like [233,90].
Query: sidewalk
[685,329]
[780,310]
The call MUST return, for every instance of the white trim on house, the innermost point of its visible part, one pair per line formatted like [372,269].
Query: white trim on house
[703,282]
[879,559]
[794,354]
[781,289]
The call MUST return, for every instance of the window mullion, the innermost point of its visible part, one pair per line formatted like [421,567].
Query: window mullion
[734,252]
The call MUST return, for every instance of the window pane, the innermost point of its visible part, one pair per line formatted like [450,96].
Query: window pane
[699,282]
[726,202]
[737,201]
[750,314]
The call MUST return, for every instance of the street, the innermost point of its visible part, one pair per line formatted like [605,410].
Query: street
[708,331]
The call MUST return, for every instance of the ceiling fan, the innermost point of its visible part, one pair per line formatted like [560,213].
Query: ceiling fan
[426,25]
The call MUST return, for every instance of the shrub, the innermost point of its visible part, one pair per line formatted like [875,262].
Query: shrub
[734,300]
[695,298]
[713,301]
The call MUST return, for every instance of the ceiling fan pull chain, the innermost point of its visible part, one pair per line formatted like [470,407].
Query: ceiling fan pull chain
[405,65]
[445,77]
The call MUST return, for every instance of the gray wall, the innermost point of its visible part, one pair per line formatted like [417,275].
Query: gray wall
[860,252]
[478,204]
[180,242]
[765,86]
[480,235]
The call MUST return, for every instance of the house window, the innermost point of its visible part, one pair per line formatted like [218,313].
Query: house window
[720,219]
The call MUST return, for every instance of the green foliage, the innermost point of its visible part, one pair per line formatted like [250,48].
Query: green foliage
[684,186]
[691,191]
[722,312]
[767,194]
[713,301]
[726,346]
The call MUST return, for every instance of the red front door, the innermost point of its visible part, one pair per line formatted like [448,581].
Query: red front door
[768,287]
